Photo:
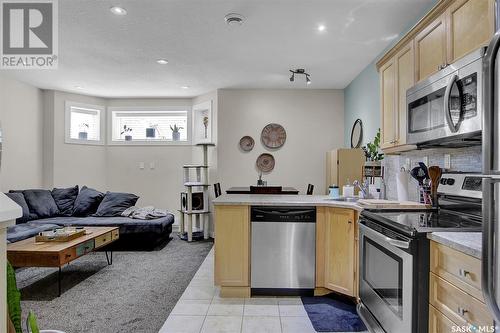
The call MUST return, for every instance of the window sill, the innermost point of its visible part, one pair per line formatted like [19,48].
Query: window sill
[84,142]
[149,143]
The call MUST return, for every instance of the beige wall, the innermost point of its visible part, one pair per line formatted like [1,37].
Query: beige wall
[21,118]
[159,186]
[71,163]
[313,120]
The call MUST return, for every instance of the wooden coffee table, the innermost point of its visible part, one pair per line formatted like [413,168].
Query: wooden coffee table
[28,253]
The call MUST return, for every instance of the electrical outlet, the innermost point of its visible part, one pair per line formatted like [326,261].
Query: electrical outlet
[152,165]
[447,161]
[425,159]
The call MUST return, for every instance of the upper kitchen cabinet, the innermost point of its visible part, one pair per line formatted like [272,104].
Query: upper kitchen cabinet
[451,29]
[430,45]
[387,94]
[470,25]
[396,76]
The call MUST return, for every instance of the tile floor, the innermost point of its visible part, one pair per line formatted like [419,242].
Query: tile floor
[201,310]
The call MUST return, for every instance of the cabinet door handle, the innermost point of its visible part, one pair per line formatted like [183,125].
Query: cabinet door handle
[461,311]
[350,222]
[463,273]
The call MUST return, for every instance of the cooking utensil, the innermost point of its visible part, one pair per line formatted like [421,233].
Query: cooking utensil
[424,167]
[419,174]
[435,173]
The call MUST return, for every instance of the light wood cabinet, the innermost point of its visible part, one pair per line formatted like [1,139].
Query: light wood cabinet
[336,250]
[430,48]
[455,294]
[232,250]
[438,322]
[470,25]
[396,76]
[343,165]
[387,104]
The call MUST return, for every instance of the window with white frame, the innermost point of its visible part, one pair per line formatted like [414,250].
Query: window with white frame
[149,125]
[84,123]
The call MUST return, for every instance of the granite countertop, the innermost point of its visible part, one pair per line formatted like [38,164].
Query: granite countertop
[283,200]
[466,242]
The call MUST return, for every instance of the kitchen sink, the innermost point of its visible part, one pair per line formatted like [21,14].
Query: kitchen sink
[344,199]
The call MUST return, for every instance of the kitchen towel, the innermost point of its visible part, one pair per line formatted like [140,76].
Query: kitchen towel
[402,185]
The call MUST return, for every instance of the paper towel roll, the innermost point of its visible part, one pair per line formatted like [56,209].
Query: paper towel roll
[402,185]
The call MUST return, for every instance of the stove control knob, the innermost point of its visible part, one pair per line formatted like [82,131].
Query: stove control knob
[443,181]
[450,181]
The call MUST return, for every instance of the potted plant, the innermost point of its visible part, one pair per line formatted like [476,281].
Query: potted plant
[151,131]
[372,154]
[126,129]
[83,134]
[176,134]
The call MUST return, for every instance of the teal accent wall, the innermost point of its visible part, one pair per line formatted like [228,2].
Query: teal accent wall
[362,100]
[362,95]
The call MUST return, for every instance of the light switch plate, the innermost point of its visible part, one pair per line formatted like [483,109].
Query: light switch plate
[447,161]
[141,165]
[152,165]
[425,159]
[407,164]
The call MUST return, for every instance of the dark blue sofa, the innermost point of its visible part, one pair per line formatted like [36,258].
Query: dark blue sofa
[134,233]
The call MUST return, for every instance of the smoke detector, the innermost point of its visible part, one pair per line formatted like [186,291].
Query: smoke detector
[233,19]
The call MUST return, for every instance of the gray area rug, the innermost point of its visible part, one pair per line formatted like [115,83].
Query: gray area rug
[135,294]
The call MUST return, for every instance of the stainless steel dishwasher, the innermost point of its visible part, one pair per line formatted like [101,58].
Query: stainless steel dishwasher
[283,250]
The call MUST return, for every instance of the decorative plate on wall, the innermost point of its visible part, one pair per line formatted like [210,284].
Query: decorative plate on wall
[273,136]
[247,143]
[265,162]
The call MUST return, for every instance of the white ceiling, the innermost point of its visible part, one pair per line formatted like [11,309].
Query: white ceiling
[115,56]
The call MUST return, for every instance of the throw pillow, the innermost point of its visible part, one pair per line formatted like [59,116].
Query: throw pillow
[65,199]
[41,203]
[115,203]
[18,198]
[87,201]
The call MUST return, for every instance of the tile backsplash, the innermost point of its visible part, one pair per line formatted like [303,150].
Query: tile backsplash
[462,159]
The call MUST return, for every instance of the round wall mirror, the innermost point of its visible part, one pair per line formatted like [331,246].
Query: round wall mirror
[357,134]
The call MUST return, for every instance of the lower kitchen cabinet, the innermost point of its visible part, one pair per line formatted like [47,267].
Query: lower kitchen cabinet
[232,250]
[455,295]
[336,250]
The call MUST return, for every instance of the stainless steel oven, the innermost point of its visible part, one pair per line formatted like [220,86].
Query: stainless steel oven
[445,109]
[391,273]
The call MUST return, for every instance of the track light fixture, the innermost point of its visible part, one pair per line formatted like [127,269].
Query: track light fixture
[299,71]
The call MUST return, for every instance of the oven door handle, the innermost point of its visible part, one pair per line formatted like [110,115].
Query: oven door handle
[453,128]
[394,242]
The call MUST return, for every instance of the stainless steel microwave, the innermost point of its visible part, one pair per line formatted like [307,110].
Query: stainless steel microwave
[446,108]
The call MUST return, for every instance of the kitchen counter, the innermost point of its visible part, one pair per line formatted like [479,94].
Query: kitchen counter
[283,200]
[466,242]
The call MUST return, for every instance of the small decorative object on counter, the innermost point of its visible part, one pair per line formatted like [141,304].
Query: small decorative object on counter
[260,182]
[333,191]
[176,134]
[348,190]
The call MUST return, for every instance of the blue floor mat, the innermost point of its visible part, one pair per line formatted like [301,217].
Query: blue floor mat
[333,313]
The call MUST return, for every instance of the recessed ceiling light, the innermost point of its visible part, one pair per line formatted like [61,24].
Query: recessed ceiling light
[185,87]
[118,11]
[321,27]
[162,61]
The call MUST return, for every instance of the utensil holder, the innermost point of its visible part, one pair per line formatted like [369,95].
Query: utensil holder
[425,195]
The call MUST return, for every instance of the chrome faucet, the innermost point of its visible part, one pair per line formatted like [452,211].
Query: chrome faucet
[363,187]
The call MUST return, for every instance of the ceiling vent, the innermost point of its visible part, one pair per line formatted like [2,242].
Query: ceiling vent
[233,19]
